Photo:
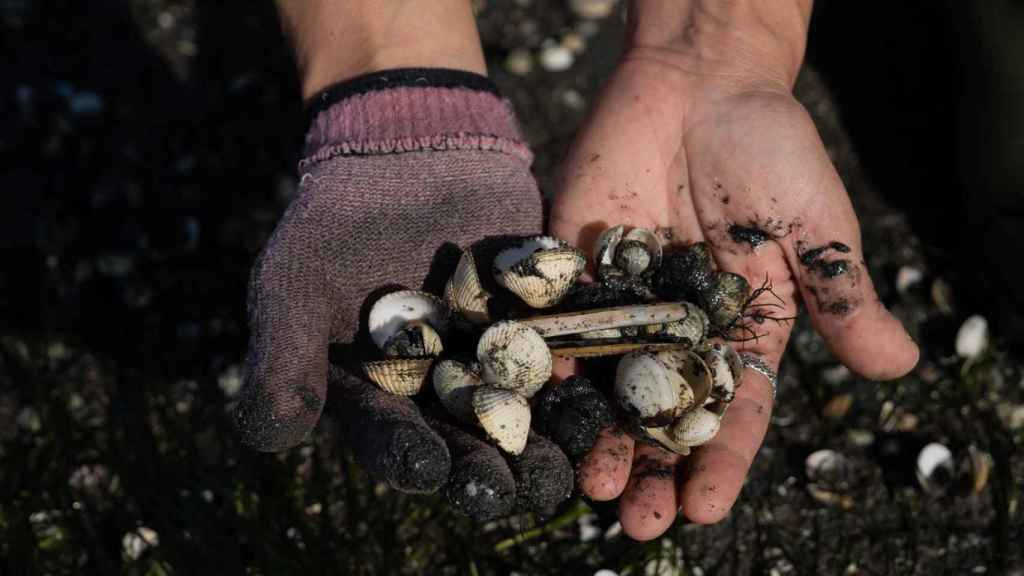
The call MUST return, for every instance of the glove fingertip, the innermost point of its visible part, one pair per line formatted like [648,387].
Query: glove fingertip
[544,476]
[271,418]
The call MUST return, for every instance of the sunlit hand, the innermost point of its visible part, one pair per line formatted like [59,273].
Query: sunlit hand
[720,151]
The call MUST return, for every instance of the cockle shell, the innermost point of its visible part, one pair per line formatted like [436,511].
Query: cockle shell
[464,293]
[726,368]
[401,376]
[693,328]
[504,415]
[632,253]
[416,338]
[454,383]
[396,310]
[724,298]
[539,270]
[695,427]
[657,388]
[514,357]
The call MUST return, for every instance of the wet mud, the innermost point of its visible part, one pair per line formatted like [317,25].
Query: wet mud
[571,414]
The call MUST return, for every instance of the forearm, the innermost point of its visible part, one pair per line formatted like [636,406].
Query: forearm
[334,40]
[765,37]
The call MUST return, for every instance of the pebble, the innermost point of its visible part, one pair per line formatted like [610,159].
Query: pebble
[519,62]
[825,466]
[135,543]
[972,338]
[907,277]
[1011,415]
[574,42]
[837,407]
[573,100]
[592,9]
[935,468]
[556,58]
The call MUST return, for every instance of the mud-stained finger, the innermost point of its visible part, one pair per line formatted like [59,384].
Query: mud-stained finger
[605,470]
[649,503]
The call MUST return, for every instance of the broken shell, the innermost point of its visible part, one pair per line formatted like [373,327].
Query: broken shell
[935,468]
[695,427]
[401,376]
[726,368]
[514,357]
[396,310]
[972,337]
[504,415]
[604,252]
[827,467]
[649,390]
[638,252]
[454,383]
[540,270]
[725,297]
[464,293]
[693,328]
[693,369]
[415,339]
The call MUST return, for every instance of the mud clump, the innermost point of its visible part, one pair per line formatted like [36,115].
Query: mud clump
[572,414]
[748,235]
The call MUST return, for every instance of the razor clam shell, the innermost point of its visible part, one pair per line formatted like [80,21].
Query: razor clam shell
[651,391]
[604,249]
[464,293]
[553,325]
[696,427]
[593,348]
[543,278]
[514,357]
[394,311]
[454,383]
[399,345]
[504,415]
[401,376]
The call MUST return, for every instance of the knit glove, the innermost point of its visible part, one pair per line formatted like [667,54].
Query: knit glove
[399,167]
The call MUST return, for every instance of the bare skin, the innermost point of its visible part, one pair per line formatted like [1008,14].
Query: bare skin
[697,130]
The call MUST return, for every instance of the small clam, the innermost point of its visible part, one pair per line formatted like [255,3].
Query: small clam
[464,293]
[415,339]
[695,427]
[663,438]
[604,252]
[657,388]
[401,376]
[724,298]
[726,368]
[504,415]
[514,357]
[539,270]
[693,328]
[396,310]
[454,383]
[632,253]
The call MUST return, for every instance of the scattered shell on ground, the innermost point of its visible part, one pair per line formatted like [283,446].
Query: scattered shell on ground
[504,415]
[972,338]
[935,468]
[454,383]
[1011,415]
[592,9]
[827,467]
[514,357]
[464,293]
[401,376]
[416,339]
[695,427]
[539,270]
[907,277]
[554,57]
[519,62]
[837,407]
[574,42]
[942,296]
[979,464]
[394,311]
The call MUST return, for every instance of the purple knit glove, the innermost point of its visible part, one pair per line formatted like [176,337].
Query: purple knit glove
[399,166]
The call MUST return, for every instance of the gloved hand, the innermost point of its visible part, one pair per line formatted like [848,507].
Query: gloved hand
[397,165]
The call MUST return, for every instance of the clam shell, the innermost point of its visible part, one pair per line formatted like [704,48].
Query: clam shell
[724,298]
[464,293]
[603,333]
[504,415]
[415,339]
[514,357]
[694,370]
[661,437]
[638,252]
[695,427]
[394,311]
[649,390]
[539,270]
[401,376]
[726,367]
[604,249]
[693,328]
[454,383]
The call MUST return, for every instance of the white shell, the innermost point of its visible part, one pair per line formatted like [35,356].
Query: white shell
[464,293]
[393,311]
[726,368]
[694,327]
[662,437]
[649,390]
[604,249]
[972,338]
[695,427]
[401,376]
[935,468]
[504,415]
[694,371]
[592,9]
[539,270]
[514,357]
[638,251]
[603,333]
[454,383]
[826,466]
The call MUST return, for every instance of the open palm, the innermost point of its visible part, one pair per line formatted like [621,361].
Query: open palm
[740,165]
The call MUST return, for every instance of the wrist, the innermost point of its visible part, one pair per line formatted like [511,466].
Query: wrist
[741,41]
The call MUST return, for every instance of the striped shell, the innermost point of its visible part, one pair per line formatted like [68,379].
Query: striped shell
[464,293]
[724,298]
[454,383]
[416,339]
[539,270]
[514,357]
[726,367]
[695,427]
[504,415]
[401,376]
[394,311]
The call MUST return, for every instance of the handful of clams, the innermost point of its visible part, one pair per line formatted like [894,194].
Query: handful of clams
[651,313]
